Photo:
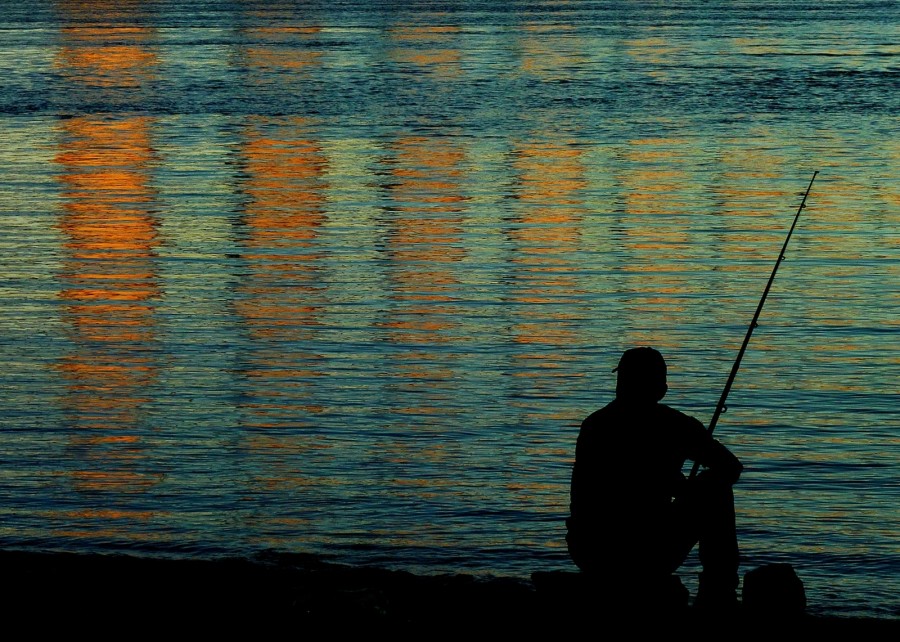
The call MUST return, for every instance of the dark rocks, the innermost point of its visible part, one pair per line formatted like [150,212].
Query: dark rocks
[68,592]
[774,590]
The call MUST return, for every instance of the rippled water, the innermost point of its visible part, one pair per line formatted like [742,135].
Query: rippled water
[344,279]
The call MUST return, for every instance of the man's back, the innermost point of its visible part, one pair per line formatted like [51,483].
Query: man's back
[628,467]
[633,455]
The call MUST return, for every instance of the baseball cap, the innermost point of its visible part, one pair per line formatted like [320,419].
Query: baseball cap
[645,361]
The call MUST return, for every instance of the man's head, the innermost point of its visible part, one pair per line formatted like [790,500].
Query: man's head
[641,375]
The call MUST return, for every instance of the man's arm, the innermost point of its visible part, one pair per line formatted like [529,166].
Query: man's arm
[718,460]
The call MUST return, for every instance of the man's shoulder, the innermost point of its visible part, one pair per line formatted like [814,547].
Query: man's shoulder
[675,413]
[595,427]
[681,419]
[599,415]
[614,412]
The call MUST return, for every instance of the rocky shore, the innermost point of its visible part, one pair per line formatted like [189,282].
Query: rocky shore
[70,592]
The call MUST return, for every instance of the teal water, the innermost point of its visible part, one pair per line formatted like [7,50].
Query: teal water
[329,278]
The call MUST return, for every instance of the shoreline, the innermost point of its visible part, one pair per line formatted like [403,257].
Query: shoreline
[298,590]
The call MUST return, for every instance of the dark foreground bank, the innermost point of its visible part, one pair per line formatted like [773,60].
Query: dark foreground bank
[96,592]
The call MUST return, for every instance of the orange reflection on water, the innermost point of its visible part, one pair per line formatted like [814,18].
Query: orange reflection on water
[656,240]
[746,191]
[425,238]
[109,269]
[423,245]
[279,54]
[655,53]
[107,514]
[751,229]
[104,65]
[653,179]
[283,219]
[261,58]
[551,52]
[281,297]
[110,237]
[99,49]
[109,273]
[426,47]
[108,523]
[546,232]
[282,294]
[117,481]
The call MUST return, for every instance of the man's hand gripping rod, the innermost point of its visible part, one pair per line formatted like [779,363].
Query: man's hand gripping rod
[720,407]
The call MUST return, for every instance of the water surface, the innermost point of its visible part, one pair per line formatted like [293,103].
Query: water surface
[342,279]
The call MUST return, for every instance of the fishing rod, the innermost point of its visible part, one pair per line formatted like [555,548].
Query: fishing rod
[721,407]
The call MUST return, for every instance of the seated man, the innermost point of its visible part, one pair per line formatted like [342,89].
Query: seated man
[634,516]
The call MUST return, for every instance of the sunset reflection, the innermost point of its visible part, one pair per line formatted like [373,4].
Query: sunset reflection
[552,52]
[88,56]
[428,48]
[274,52]
[654,53]
[656,239]
[423,246]
[109,271]
[280,302]
[546,234]
[281,297]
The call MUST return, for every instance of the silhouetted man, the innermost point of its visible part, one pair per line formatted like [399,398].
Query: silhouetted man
[634,515]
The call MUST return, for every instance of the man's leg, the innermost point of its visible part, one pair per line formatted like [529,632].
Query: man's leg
[704,513]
